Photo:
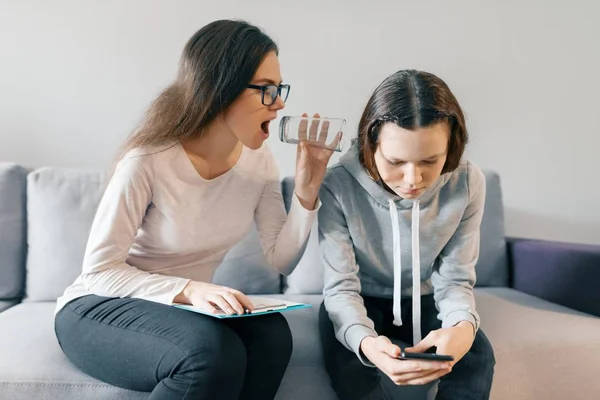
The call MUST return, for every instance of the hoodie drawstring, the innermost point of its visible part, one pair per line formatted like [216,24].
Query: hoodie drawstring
[416,269]
[397,263]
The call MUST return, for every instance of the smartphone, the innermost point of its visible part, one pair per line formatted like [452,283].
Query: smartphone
[425,356]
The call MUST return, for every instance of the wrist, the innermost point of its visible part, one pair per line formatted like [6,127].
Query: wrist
[366,344]
[466,326]
[185,295]
[308,201]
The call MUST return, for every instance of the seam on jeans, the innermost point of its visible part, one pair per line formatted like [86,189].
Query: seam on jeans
[133,330]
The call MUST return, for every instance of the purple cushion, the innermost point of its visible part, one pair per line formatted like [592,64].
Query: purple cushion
[563,273]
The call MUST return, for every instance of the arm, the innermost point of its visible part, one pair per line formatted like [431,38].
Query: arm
[283,237]
[454,278]
[119,216]
[342,285]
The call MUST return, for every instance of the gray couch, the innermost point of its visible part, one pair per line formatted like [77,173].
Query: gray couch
[537,300]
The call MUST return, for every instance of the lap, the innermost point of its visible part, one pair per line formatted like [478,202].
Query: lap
[110,337]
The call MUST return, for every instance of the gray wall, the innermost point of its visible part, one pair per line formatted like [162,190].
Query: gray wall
[75,77]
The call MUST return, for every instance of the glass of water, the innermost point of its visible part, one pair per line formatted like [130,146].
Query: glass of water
[316,131]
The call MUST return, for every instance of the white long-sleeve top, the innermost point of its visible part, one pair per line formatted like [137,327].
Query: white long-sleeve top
[159,224]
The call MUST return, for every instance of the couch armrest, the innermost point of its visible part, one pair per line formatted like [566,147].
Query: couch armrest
[563,273]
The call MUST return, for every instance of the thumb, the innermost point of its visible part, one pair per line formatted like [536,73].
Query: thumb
[425,344]
[386,346]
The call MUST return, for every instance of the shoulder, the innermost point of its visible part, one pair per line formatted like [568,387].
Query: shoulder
[475,179]
[143,162]
[468,180]
[336,177]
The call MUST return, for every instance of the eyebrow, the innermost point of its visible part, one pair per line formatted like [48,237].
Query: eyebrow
[426,158]
[269,81]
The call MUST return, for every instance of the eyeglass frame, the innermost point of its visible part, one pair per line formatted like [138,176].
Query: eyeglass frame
[263,90]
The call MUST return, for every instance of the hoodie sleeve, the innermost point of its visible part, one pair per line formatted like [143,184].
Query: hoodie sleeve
[454,277]
[342,287]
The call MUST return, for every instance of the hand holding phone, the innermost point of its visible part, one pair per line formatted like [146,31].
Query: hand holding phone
[404,355]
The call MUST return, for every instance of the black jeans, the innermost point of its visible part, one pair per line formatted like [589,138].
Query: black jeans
[175,354]
[471,377]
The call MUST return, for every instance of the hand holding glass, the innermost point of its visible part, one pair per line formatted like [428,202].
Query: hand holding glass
[323,132]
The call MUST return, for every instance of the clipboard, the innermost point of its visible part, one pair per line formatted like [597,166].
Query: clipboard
[262,306]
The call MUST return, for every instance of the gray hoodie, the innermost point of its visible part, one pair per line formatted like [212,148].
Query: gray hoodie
[378,244]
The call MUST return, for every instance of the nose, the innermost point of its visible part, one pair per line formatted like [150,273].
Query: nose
[279,104]
[412,175]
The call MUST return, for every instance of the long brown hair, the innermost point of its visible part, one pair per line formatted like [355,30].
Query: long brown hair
[216,65]
[411,99]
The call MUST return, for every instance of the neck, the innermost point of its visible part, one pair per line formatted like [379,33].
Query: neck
[216,144]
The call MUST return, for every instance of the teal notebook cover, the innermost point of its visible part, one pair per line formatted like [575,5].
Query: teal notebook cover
[262,306]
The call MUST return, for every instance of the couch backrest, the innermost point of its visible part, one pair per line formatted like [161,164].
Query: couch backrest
[492,267]
[12,230]
[61,205]
[47,238]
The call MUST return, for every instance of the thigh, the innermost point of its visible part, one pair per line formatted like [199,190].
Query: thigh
[265,332]
[350,378]
[134,343]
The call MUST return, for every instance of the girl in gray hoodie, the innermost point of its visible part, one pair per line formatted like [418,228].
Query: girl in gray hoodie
[399,233]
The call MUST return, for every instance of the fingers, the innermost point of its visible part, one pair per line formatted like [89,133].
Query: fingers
[384,345]
[244,300]
[206,306]
[230,301]
[413,372]
[314,127]
[324,131]
[417,367]
[302,128]
[234,302]
[421,378]
[428,342]
[219,301]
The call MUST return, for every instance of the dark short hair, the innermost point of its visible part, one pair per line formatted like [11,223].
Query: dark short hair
[411,99]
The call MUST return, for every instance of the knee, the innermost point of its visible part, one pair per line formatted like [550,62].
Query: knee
[483,352]
[221,358]
[277,337]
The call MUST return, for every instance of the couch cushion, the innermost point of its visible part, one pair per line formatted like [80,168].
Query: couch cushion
[12,230]
[543,350]
[492,268]
[6,304]
[62,203]
[33,366]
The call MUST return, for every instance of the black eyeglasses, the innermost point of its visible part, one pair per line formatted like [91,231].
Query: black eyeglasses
[270,92]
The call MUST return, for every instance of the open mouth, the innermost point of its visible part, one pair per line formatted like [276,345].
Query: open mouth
[265,127]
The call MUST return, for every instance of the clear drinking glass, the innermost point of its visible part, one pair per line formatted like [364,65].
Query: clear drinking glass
[320,132]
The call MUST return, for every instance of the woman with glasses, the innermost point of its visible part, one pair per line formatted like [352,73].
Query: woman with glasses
[189,184]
